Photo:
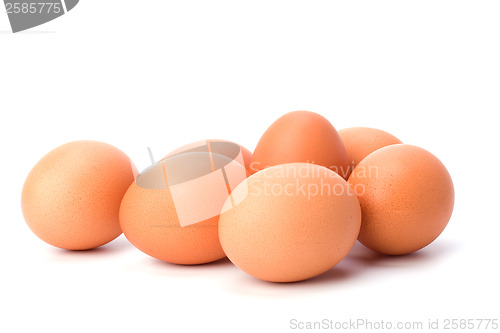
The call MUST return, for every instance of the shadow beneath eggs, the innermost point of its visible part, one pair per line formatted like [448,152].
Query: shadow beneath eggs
[158,267]
[209,265]
[118,245]
[249,286]
[334,275]
[358,265]
[424,256]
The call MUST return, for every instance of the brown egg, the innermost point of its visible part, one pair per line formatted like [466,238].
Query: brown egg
[301,136]
[406,196]
[172,210]
[290,222]
[71,197]
[359,142]
[149,221]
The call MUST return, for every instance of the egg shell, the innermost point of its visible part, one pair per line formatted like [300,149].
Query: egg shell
[406,196]
[301,136]
[359,142]
[71,197]
[176,220]
[294,234]
[149,220]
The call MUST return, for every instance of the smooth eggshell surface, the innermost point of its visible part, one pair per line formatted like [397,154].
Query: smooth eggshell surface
[291,222]
[406,196]
[301,136]
[71,197]
[359,142]
[149,221]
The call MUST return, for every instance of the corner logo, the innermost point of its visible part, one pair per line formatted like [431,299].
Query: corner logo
[26,14]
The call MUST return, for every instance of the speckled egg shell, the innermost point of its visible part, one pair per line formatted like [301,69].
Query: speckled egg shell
[295,234]
[359,142]
[406,196]
[71,197]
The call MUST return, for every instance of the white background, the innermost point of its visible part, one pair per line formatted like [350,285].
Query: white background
[166,73]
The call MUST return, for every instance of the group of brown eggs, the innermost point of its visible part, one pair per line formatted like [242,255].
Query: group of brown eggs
[288,212]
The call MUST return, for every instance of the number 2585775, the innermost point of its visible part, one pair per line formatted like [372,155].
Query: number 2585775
[33,8]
